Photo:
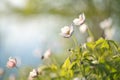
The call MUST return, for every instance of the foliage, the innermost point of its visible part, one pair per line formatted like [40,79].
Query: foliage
[93,60]
[99,60]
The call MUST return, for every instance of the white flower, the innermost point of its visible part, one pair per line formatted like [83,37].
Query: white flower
[53,75]
[83,78]
[80,20]
[109,33]
[33,73]
[39,70]
[106,23]
[83,28]
[11,62]
[47,54]
[90,39]
[95,62]
[67,31]
[84,45]
[76,78]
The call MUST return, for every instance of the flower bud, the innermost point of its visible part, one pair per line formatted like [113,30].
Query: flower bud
[47,54]
[83,28]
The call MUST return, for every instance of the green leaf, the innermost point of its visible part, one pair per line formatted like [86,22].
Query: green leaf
[66,64]
[105,45]
[90,45]
[99,41]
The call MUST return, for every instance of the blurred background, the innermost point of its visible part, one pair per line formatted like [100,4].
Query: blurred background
[29,27]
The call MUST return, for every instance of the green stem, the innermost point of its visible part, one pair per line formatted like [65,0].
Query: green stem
[54,61]
[75,41]
[90,33]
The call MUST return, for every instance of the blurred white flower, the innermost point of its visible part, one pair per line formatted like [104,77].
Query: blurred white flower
[53,75]
[76,78]
[17,3]
[90,39]
[91,58]
[11,62]
[80,20]
[47,54]
[109,33]
[19,62]
[39,70]
[12,77]
[33,74]
[1,71]
[84,45]
[83,78]
[95,62]
[106,23]
[67,31]
[83,28]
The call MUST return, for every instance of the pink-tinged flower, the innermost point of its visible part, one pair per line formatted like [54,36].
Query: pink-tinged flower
[80,20]
[33,73]
[11,62]
[47,54]
[106,23]
[83,28]
[67,31]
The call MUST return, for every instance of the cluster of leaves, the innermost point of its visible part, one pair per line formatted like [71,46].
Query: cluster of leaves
[99,60]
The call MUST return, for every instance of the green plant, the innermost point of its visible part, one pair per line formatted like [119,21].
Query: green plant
[94,60]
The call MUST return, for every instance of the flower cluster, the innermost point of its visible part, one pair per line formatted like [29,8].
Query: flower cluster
[93,60]
[67,31]
[35,72]
[106,26]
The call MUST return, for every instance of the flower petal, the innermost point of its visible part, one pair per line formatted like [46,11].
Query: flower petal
[76,21]
[83,28]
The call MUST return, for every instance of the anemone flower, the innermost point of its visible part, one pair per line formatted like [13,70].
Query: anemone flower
[11,62]
[80,20]
[67,31]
